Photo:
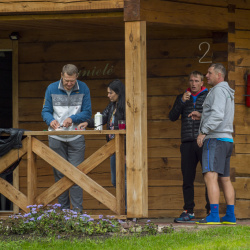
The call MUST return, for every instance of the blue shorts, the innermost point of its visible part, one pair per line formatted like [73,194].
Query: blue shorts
[216,156]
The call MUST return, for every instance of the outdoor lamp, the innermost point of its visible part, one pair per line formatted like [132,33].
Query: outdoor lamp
[14,36]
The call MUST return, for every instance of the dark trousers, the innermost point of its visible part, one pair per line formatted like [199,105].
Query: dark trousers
[191,154]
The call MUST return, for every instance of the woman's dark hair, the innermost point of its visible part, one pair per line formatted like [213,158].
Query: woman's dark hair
[118,87]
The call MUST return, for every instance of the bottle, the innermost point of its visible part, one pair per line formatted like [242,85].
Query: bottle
[98,121]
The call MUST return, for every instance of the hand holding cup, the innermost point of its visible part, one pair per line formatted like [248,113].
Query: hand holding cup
[186,96]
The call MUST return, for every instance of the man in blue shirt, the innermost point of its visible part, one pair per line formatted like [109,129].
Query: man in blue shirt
[67,103]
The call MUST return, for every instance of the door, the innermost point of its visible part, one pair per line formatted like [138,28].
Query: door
[9,104]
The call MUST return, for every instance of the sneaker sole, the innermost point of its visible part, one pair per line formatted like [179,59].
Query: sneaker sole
[228,223]
[185,221]
[209,223]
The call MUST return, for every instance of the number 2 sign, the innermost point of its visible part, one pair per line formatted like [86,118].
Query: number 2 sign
[208,48]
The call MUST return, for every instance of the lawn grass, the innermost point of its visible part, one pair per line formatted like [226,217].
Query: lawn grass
[228,237]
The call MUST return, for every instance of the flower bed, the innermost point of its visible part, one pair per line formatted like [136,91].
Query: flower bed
[52,221]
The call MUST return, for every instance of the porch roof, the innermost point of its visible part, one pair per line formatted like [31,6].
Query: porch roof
[15,14]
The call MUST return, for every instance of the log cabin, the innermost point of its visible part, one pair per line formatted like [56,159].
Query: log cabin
[152,46]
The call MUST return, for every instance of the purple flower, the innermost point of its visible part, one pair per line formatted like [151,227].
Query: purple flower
[26,215]
[85,215]
[100,216]
[66,217]
[57,205]
[51,211]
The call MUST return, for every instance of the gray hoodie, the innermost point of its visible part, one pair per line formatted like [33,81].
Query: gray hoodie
[218,112]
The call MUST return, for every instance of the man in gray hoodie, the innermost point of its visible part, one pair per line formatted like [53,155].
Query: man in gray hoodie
[216,130]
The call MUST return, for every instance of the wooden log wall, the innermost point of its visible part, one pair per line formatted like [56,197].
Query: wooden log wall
[239,67]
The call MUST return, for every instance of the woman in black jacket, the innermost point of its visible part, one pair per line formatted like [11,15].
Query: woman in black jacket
[114,112]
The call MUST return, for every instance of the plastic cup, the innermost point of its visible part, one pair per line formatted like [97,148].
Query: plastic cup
[122,124]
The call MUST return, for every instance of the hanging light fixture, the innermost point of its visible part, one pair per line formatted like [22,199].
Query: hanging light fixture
[14,36]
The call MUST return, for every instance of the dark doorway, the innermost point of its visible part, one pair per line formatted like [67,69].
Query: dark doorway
[6,89]
[6,110]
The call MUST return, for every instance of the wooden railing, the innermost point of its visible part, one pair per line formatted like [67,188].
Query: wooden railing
[72,175]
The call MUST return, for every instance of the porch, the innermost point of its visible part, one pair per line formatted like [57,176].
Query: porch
[150,45]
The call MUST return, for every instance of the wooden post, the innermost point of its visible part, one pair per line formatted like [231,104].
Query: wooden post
[15,114]
[136,119]
[15,84]
[31,173]
[120,174]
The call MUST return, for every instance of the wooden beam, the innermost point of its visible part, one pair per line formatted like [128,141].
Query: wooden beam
[76,132]
[120,173]
[15,107]
[60,16]
[136,119]
[13,194]
[31,173]
[38,6]
[86,166]
[75,175]
[13,156]
[184,14]
[177,14]
[132,10]
[15,84]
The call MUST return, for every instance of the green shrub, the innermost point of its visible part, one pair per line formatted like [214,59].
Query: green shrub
[51,220]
